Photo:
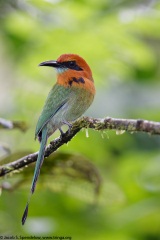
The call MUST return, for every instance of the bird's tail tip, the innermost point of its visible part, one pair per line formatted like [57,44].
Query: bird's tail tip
[25,214]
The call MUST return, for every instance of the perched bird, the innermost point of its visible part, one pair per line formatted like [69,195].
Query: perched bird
[69,98]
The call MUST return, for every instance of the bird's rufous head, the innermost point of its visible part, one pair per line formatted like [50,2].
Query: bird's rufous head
[70,64]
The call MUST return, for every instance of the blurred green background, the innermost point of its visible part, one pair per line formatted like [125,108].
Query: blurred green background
[105,186]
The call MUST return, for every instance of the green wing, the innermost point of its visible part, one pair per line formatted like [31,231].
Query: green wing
[57,97]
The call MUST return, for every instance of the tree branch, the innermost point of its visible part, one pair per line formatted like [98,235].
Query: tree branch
[120,125]
[7,124]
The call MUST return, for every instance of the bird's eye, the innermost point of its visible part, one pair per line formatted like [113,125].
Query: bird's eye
[72,64]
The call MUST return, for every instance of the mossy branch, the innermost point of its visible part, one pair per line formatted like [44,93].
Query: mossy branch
[120,125]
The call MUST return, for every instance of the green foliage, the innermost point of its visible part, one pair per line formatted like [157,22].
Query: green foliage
[120,41]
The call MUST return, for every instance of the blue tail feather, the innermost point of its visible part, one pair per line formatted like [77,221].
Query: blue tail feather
[37,170]
[40,159]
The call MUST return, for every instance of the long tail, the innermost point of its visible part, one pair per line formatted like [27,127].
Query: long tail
[36,171]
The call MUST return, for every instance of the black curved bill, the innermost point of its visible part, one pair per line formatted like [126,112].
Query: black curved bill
[50,63]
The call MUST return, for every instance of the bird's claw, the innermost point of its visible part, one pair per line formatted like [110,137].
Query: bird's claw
[62,133]
[69,129]
[69,126]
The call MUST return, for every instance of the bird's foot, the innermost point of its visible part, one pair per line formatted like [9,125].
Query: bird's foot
[69,129]
[62,133]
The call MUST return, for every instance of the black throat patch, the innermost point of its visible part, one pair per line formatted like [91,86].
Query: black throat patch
[76,80]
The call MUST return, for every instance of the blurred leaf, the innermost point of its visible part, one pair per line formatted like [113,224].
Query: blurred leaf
[149,177]
[61,172]
[66,169]
[20,125]
[5,148]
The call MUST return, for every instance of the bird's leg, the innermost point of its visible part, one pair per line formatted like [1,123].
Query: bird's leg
[69,128]
[62,133]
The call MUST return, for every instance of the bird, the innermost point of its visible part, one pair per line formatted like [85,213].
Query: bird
[68,99]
